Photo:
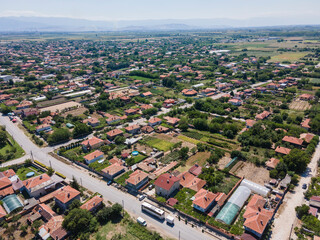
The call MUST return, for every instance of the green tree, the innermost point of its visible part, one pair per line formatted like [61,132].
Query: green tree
[81,129]
[59,135]
[3,138]
[302,210]
[119,140]
[80,221]
[183,153]
[297,160]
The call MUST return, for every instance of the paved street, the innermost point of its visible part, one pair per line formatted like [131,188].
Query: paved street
[132,205]
[283,222]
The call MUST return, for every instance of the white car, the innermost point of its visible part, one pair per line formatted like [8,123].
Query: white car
[141,221]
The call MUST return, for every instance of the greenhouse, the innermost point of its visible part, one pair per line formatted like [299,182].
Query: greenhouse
[11,203]
[235,203]
[254,187]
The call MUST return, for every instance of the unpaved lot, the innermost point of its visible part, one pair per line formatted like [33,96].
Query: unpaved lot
[251,172]
[224,161]
[169,137]
[76,112]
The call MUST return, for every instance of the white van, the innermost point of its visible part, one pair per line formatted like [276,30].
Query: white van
[170,219]
[141,221]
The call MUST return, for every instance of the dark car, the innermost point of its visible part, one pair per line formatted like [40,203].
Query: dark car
[304,186]
[109,182]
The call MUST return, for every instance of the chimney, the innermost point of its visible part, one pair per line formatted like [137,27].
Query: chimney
[167,180]
[40,177]
[68,195]
[261,222]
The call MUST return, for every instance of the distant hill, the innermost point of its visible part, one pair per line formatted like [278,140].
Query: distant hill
[55,24]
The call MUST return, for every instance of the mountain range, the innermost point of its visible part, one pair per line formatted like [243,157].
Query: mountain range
[59,24]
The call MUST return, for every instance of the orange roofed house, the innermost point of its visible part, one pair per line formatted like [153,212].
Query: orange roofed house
[38,185]
[166,184]
[137,179]
[154,121]
[113,170]
[189,92]
[53,228]
[93,204]
[92,143]
[114,133]
[94,156]
[293,140]
[203,200]
[65,196]
[256,216]
[283,150]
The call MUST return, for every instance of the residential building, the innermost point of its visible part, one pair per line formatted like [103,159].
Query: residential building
[114,133]
[93,204]
[272,163]
[166,184]
[154,121]
[133,129]
[94,156]
[283,150]
[293,140]
[65,196]
[137,179]
[315,201]
[92,143]
[113,170]
[38,185]
[93,122]
[204,200]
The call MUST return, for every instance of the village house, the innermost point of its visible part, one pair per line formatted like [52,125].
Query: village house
[112,119]
[43,127]
[133,129]
[235,102]
[146,94]
[307,137]
[272,163]
[114,133]
[306,97]
[256,216]
[93,122]
[166,184]
[53,228]
[145,107]
[306,124]
[92,143]
[204,200]
[283,150]
[38,185]
[293,140]
[93,204]
[263,115]
[315,201]
[137,179]
[94,156]
[168,103]
[190,181]
[113,170]
[147,129]
[131,111]
[154,121]
[172,120]
[250,123]
[65,196]
[189,92]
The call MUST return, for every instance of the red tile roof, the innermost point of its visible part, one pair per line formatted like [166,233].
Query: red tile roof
[283,150]
[136,177]
[292,140]
[92,141]
[93,155]
[114,132]
[204,198]
[272,163]
[92,203]
[166,181]
[4,182]
[66,194]
[2,212]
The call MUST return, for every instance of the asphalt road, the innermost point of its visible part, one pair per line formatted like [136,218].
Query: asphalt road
[131,204]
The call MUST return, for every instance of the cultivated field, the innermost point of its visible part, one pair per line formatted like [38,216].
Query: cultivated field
[300,105]
[288,56]
[76,112]
[60,107]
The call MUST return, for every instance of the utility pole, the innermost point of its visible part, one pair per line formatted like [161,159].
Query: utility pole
[122,208]
[50,163]
[179,235]
[31,156]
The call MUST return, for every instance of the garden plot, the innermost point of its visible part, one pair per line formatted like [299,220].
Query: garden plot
[299,105]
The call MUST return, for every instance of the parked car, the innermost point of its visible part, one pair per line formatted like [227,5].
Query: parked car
[150,187]
[304,186]
[141,221]
[141,197]
[109,182]
[14,120]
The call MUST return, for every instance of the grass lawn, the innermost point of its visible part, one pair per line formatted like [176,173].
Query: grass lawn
[158,143]
[139,158]
[122,179]
[227,184]
[288,56]
[185,204]
[140,78]
[15,148]
[99,166]
[22,171]
[126,229]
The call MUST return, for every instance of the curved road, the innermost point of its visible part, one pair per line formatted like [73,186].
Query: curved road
[131,204]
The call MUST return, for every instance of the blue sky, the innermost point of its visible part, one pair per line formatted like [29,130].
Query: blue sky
[161,9]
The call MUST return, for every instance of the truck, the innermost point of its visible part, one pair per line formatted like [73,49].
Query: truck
[170,219]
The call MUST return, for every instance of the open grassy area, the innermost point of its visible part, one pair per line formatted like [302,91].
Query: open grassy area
[126,229]
[227,184]
[99,166]
[288,56]
[22,171]
[158,143]
[11,151]
[187,139]
[185,204]
[122,179]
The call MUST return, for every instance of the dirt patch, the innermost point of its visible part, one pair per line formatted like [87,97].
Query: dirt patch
[300,105]
[224,161]
[75,112]
[143,148]
[61,107]
[251,172]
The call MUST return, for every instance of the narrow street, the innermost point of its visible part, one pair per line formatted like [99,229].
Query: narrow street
[283,223]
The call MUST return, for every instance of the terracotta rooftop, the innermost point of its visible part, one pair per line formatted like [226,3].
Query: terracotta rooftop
[2,212]
[92,141]
[93,155]
[166,181]
[4,182]
[292,140]
[113,169]
[93,202]
[66,194]
[136,177]
[204,198]
[114,132]
[272,163]
[283,150]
